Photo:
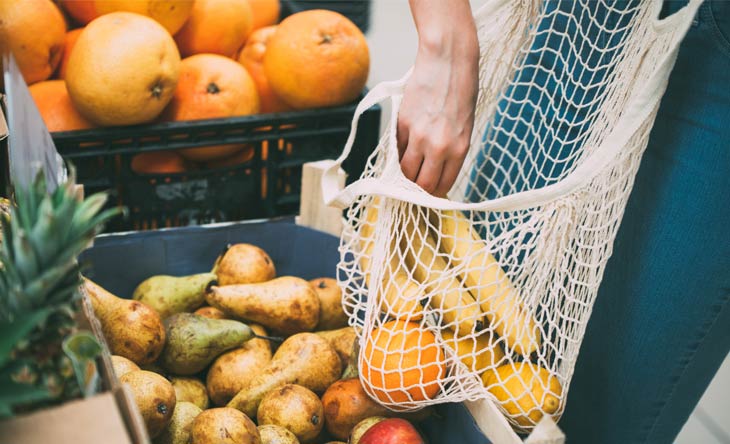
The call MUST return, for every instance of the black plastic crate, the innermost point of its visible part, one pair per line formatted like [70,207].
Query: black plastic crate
[265,186]
[356,10]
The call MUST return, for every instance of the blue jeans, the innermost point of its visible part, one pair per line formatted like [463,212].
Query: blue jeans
[660,327]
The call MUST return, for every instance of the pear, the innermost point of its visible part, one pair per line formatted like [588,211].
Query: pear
[244,264]
[331,314]
[230,371]
[211,312]
[285,305]
[131,328]
[224,426]
[154,396]
[304,359]
[342,340]
[169,294]
[274,434]
[178,430]
[295,407]
[194,341]
[122,365]
[190,390]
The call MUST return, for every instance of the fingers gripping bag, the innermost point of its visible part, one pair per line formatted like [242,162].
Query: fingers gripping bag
[487,293]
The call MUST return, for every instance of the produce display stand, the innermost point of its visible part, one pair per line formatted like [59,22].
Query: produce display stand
[307,248]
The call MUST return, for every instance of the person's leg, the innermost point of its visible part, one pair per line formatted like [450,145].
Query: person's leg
[660,326]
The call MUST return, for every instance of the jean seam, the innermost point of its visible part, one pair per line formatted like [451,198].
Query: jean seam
[721,39]
[685,365]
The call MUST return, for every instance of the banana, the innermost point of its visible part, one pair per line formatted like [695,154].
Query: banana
[479,353]
[488,282]
[460,311]
[399,294]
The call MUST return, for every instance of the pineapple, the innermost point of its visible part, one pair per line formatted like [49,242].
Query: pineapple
[39,280]
[4,207]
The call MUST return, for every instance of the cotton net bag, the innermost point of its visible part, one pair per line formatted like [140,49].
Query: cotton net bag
[487,293]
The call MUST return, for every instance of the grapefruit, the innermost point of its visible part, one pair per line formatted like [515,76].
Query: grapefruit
[317,58]
[56,108]
[216,27]
[212,86]
[33,30]
[265,12]
[122,70]
[158,162]
[68,44]
[169,13]
[82,11]
[252,58]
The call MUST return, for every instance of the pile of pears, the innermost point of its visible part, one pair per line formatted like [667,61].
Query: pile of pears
[209,355]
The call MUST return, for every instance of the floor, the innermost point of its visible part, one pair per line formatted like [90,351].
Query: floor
[393,42]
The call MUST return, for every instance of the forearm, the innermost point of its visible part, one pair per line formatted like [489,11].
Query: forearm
[436,116]
[446,29]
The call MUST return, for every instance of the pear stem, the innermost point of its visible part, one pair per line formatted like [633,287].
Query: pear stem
[269,338]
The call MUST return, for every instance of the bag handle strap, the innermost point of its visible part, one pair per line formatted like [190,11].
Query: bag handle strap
[332,193]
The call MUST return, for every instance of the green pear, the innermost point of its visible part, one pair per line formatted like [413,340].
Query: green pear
[194,341]
[169,294]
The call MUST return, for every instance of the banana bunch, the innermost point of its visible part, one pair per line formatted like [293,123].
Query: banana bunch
[459,310]
[480,292]
[489,284]
[400,295]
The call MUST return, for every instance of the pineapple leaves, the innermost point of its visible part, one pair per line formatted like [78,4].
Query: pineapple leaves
[14,331]
[41,240]
[39,283]
[82,348]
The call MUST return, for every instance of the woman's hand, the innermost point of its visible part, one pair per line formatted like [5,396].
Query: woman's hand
[437,112]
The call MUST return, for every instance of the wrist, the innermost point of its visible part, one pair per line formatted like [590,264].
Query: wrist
[459,46]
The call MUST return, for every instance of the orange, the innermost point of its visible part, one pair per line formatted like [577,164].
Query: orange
[242,156]
[169,13]
[317,58]
[265,12]
[215,26]
[33,30]
[158,162]
[212,86]
[402,363]
[252,57]
[56,108]
[82,11]
[68,45]
[123,69]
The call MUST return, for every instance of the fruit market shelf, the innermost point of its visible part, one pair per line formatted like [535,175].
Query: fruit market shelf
[267,185]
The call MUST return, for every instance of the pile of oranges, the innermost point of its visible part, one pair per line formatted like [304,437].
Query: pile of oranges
[97,63]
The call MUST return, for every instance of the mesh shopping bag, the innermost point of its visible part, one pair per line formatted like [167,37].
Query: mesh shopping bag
[487,293]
